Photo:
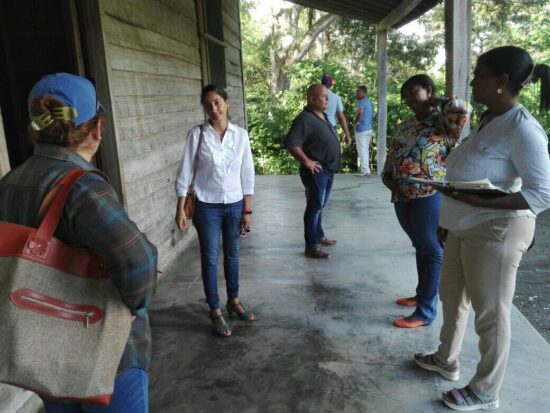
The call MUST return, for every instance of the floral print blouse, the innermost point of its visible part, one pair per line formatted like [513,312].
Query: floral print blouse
[419,148]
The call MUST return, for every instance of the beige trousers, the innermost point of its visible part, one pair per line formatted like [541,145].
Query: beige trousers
[479,267]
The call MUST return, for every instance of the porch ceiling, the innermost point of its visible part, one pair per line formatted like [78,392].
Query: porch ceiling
[372,11]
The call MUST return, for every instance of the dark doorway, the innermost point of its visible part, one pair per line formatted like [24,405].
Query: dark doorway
[37,38]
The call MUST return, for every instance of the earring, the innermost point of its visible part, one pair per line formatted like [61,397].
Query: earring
[499,91]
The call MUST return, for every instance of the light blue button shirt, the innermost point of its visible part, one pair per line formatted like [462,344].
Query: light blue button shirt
[365,120]
[334,105]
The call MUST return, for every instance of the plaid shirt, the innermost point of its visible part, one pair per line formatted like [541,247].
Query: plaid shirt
[93,218]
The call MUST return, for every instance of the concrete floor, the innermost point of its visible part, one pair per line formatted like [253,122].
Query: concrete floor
[323,341]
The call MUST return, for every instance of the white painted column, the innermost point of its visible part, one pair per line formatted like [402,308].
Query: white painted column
[382,64]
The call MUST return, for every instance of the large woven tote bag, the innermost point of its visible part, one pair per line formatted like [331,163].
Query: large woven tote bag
[63,325]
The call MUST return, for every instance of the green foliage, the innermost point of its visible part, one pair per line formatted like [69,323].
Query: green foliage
[506,22]
[269,118]
[346,50]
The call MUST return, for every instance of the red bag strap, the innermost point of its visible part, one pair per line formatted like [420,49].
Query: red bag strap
[49,224]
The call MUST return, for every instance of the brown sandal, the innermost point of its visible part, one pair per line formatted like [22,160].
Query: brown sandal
[316,252]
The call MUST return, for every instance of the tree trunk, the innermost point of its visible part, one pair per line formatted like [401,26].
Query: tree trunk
[283,57]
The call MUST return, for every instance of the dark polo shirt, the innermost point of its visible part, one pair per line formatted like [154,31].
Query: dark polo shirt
[317,139]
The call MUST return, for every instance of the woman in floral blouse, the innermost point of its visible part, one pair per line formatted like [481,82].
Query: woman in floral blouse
[418,150]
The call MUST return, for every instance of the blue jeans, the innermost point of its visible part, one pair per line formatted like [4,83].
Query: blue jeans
[210,220]
[419,219]
[130,395]
[318,188]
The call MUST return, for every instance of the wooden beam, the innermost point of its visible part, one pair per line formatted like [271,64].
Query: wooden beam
[76,38]
[398,14]
[201,27]
[213,39]
[242,68]
[458,35]
[382,64]
[4,159]
[98,67]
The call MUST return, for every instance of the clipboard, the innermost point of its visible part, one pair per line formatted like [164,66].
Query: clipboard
[483,187]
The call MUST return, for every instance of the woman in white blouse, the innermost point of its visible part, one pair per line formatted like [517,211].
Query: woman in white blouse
[487,236]
[224,185]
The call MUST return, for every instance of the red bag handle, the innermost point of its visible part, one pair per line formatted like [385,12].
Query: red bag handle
[53,215]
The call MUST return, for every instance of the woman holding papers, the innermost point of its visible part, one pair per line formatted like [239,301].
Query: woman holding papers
[418,150]
[487,236]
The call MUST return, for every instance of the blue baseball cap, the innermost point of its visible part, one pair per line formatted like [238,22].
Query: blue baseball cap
[74,91]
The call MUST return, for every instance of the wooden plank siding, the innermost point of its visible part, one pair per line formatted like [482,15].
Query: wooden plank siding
[233,61]
[153,50]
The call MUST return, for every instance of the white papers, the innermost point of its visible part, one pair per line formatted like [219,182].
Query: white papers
[483,186]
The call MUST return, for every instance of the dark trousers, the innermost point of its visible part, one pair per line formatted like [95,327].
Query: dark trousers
[419,219]
[317,188]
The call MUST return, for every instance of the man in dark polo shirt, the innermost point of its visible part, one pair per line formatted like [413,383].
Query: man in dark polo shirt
[312,140]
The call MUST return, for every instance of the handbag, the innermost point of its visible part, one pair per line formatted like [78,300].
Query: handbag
[64,325]
[191,198]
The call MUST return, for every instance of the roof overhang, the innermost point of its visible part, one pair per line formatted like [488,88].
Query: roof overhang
[393,13]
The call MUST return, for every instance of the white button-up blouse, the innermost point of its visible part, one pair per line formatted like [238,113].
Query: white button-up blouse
[511,151]
[225,170]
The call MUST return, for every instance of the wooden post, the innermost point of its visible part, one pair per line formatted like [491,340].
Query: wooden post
[382,64]
[97,66]
[242,67]
[458,35]
[4,159]
[394,17]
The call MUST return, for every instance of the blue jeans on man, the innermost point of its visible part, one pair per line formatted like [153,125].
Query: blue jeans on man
[419,218]
[317,188]
[130,395]
[211,220]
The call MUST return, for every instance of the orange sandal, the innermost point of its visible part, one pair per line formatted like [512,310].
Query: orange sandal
[407,302]
[410,322]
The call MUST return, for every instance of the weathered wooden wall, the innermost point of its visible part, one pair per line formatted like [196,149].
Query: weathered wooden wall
[233,61]
[154,64]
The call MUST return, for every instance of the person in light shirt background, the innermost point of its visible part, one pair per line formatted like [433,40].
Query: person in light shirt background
[486,237]
[224,186]
[363,128]
[335,108]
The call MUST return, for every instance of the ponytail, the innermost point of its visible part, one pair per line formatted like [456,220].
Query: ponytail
[542,73]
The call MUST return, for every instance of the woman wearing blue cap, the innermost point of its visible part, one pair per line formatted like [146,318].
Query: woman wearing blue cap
[66,130]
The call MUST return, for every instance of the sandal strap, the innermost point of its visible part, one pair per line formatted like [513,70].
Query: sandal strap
[222,327]
[465,397]
[245,315]
[233,306]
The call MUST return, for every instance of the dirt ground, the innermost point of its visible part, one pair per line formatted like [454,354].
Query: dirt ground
[533,282]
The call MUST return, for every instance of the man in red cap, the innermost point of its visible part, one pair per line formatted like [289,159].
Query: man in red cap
[335,109]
